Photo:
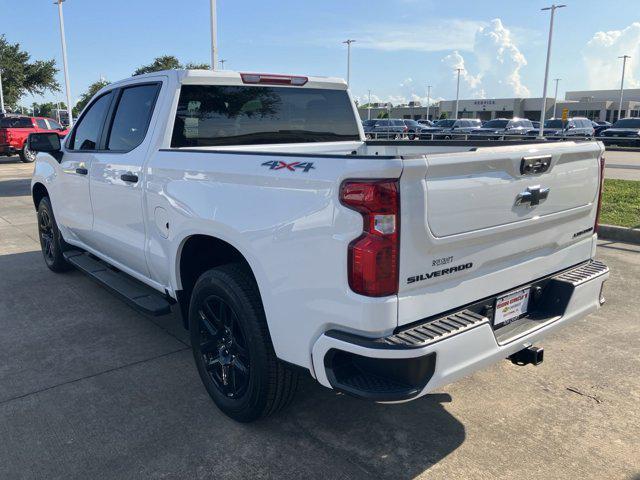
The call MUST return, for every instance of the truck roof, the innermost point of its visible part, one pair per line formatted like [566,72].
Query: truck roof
[229,77]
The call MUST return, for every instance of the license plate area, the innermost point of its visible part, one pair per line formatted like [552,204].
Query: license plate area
[511,307]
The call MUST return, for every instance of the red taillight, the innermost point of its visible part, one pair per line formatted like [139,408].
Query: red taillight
[373,260]
[595,226]
[269,79]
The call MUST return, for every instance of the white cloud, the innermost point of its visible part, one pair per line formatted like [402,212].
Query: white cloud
[427,36]
[498,61]
[601,62]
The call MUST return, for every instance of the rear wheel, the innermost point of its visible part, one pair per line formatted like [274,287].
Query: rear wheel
[26,155]
[51,241]
[232,348]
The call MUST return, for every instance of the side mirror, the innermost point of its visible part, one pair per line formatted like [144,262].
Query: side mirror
[45,142]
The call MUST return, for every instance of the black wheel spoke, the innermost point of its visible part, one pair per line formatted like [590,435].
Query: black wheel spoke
[238,365]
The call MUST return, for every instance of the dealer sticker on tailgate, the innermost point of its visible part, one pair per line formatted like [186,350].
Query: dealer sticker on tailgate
[510,307]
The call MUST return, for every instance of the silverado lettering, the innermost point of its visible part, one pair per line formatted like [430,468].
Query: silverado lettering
[439,273]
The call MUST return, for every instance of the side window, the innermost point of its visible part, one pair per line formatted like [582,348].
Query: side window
[132,117]
[42,124]
[53,125]
[87,132]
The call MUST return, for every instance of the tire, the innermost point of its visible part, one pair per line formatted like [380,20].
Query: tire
[26,155]
[232,348]
[447,137]
[51,242]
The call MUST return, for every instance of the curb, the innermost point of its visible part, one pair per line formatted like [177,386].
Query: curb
[620,234]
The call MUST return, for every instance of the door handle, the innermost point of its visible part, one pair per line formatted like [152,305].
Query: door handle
[129,177]
[81,171]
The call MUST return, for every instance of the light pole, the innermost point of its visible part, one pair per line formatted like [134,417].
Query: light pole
[222,60]
[64,61]
[348,42]
[369,106]
[543,112]
[624,65]
[555,97]
[455,116]
[428,99]
[214,35]
[1,96]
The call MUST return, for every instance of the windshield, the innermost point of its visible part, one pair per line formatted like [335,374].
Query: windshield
[411,123]
[211,115]
[496,124]
[16,122]
[627,123]
[368,123]
[445,123]
[553,124]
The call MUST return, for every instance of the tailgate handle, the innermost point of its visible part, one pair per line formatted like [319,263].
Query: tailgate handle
[532,165]
[533,196]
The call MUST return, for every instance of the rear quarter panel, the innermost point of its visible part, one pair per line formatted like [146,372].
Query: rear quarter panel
[289,225]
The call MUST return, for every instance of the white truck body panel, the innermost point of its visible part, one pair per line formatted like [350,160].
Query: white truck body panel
[457,203]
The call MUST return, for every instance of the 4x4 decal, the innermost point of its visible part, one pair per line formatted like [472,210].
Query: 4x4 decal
[279,165]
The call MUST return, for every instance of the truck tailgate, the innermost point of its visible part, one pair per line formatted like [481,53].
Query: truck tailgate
[489,220]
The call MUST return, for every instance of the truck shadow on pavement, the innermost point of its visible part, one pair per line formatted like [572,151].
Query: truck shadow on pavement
[110,393]
[15,188]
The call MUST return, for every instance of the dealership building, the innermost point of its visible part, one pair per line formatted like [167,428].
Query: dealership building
[593,104]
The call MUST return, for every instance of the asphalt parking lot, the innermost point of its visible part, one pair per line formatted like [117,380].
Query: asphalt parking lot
[91,389]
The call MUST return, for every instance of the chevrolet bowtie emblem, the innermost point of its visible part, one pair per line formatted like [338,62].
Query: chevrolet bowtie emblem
[532,196]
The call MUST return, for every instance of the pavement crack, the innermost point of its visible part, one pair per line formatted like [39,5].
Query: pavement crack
[592,397]
[97,374]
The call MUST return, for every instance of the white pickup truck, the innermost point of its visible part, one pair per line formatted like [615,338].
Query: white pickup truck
[287,242]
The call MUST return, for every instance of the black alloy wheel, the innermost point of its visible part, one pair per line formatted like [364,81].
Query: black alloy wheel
[223,348]
[45,230]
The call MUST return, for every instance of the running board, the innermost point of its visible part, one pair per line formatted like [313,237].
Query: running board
[140,296]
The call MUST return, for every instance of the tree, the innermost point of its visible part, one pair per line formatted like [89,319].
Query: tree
[169,62]
[383,115]
[88,95]
[21,76]
[443,116]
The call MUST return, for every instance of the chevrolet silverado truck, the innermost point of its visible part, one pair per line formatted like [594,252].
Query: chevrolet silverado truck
[253,205]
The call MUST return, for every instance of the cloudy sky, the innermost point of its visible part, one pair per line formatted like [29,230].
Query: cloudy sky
[401,45]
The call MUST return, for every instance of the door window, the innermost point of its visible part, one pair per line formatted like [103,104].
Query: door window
[86,135]
[42,124]
[132,117]
[53,125]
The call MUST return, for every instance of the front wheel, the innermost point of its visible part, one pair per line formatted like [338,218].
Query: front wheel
[51,241]
[232,348]
[26,155]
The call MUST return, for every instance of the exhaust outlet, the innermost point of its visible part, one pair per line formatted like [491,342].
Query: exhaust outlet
[529,355]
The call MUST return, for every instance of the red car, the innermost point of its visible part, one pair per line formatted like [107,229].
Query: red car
[14,130]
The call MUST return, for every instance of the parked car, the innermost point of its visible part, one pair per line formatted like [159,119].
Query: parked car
[447,129]
[289,244]
[600,126]
[625,132]
[535,124]
[425,123]
[573,127]
[389,129]
[413,128]
[501,127]
[368,125]
[14,130]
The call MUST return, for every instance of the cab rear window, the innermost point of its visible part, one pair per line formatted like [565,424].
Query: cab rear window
[16,122]
[215,115]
